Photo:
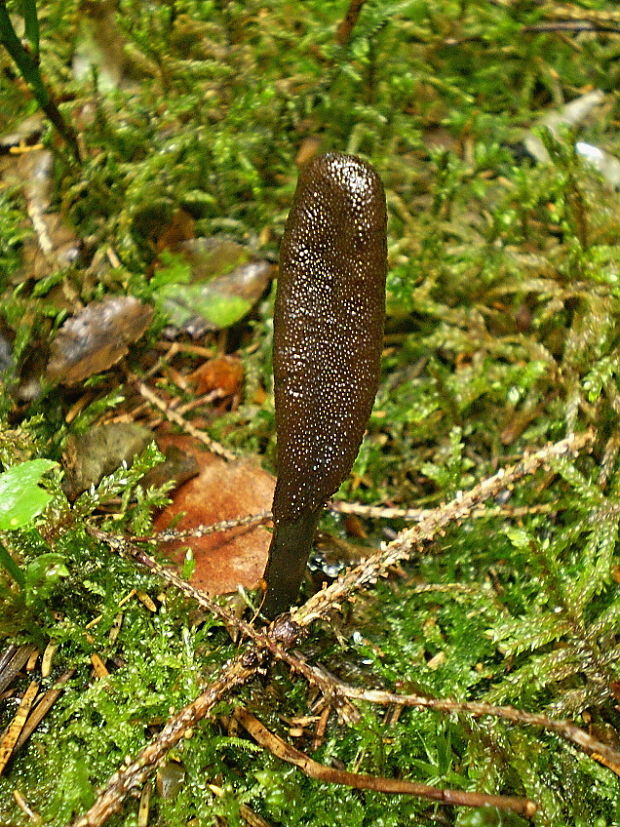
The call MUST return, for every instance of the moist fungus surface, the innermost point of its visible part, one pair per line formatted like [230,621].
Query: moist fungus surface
[328,336]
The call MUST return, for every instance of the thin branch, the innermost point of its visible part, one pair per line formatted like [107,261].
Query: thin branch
[277,639]
[286,630]
[347,24]
[567,730]
[167,535]
[568,11]
[572,26]
[412,539]
[281,749]
[383,512]
[378,512]
[337,692]
[133,776]
[173,416]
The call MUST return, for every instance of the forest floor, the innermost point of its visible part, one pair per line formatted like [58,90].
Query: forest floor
[460,665]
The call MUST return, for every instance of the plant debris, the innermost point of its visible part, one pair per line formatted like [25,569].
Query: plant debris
[472,647]
[96,338]
[89,457]
[223,491]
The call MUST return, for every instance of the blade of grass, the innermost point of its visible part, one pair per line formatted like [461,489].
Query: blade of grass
[7,562]
[31,30]
[28,66]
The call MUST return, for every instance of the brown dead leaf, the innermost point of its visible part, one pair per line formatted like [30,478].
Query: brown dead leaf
[96,338]
[89,457]
[180,228]
[222,491]
[226,281]
[223,373]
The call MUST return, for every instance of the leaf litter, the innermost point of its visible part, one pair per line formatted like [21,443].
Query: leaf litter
[465,223]
[222,491]
[96,338]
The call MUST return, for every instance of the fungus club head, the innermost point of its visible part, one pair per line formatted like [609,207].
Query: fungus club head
[328,335]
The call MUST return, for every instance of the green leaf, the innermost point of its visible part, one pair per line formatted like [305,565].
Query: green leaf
[21,499]
[175,271]
[181,302]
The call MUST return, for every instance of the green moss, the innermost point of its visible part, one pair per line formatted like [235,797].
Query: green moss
[502,333]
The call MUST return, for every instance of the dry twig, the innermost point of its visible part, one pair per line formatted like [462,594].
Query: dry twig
[563,728]
[347,24]
[572,26]
[133,776]
[175,417]
[378,564]
[286,630]
[276,640]
[203,530]
[280,748]
[382,512]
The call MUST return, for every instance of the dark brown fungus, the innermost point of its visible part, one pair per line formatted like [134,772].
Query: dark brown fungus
[328,335]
